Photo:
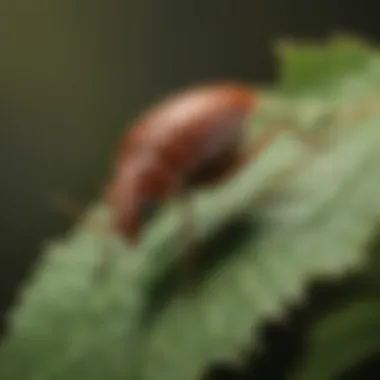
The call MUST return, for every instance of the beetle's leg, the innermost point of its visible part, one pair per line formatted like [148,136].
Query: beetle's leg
[103,231]
[189,260]
[190,257]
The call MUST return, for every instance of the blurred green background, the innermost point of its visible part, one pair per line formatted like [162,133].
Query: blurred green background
[73,73]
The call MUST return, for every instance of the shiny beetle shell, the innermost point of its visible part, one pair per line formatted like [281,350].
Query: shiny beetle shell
[173,147]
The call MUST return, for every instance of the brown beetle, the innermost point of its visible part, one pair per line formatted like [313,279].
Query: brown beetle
[190,139]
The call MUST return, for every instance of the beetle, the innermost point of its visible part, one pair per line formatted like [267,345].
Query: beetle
[188,140]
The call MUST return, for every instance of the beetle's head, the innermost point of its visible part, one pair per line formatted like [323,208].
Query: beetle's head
[139,188]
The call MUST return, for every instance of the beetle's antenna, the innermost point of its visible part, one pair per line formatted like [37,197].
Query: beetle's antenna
[66,206]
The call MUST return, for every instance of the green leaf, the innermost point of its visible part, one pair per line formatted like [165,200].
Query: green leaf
[340,341]
[315,69]
[290,217]
[323,231]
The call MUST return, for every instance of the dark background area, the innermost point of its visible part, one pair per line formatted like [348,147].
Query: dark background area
[72,73]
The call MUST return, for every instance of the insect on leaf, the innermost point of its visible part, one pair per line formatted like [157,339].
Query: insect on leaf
[292,216]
